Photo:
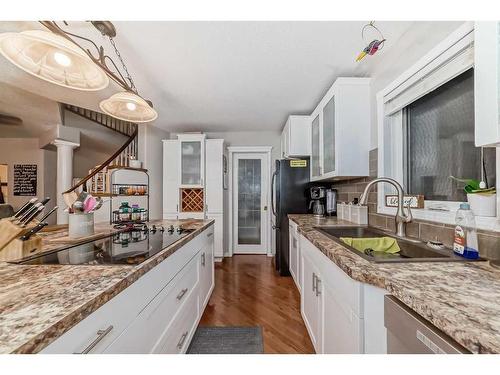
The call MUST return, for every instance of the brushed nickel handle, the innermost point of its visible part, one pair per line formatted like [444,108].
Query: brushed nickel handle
[182,293]
[314,281]
[210,234]
[100,335]
[318,281]
[203,259]
[181,341]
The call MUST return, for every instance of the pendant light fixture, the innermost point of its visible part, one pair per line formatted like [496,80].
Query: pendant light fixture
[52,58]
[128,106]
[56,57]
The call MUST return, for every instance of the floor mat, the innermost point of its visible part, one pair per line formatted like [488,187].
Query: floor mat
[227,340]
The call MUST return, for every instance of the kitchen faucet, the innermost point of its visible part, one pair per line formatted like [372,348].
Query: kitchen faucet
[401,218]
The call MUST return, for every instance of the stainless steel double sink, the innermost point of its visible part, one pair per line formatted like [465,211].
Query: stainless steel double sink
[411,250]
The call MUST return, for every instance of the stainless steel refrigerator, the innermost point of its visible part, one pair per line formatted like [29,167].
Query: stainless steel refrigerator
[289,186]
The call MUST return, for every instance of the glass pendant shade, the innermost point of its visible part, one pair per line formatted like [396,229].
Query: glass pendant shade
[128,106]
[54,59]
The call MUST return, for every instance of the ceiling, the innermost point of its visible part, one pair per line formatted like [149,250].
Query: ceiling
[218,76]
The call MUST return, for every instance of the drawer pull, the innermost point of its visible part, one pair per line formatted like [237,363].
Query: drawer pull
[210,234]
[203,259]
[318,281]
[181,341]
[182,293]
[314,282]
[100,335]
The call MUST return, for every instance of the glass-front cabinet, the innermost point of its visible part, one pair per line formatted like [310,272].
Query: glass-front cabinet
[329,136]
[340,131]
[192,160]
[315,165]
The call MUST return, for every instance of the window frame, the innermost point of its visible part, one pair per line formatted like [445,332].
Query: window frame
[391,136]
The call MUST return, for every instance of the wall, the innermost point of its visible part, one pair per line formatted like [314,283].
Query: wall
[27,151]
[151,154]
[489,242]
[97,143]
[255,138]
[406,51]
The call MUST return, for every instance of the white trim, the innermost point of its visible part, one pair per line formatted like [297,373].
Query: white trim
[249,149]
[421,68]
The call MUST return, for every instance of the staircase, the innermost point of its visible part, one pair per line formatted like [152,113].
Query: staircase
[97,181]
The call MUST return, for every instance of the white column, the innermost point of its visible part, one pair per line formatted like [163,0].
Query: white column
[64,175]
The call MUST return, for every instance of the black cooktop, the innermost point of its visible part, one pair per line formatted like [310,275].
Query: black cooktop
[129,247]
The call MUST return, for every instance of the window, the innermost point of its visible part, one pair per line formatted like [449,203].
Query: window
[439,142]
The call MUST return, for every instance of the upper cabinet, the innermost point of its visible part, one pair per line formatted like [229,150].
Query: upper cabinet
[340,131]
[296,137]
[192,171]
[487,83]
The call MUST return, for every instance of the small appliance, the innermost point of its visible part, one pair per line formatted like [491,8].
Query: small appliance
[317,194]
[331,202]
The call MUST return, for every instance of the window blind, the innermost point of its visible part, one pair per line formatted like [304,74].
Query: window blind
[451,63]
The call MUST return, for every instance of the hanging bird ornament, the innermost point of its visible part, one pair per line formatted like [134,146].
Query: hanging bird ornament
[374,45]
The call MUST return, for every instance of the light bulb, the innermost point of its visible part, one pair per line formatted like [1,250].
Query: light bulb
[131,106]
[62,59]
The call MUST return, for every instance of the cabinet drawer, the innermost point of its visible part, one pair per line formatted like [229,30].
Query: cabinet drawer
[147,329]
[178,335]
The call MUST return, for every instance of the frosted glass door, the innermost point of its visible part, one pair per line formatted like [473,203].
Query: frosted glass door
[329,137]
[191,163]
[315,169]
[249,202]
[250,194]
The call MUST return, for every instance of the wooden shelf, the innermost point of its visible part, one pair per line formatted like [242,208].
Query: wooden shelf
[117,195]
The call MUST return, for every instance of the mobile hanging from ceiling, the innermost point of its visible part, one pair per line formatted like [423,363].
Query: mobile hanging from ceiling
[56,57]
[373,39]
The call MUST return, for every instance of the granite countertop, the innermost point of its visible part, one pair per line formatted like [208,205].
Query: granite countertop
[38,303]
[461,299]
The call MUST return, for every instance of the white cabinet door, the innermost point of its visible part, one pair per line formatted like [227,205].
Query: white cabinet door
[315,147]
[375,333]
[206,262]
[310,302]
[487,83]
[342,329]
[170,176]
[192,160]
[293,255]
[299,136]
[214,189]
[218,234]
[328,145]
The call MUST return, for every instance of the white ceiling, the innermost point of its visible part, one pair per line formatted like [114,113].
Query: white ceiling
[218,76]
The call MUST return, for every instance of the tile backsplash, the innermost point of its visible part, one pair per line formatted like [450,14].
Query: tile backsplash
[489,242]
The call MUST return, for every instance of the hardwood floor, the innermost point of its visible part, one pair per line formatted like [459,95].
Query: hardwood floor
[249,292]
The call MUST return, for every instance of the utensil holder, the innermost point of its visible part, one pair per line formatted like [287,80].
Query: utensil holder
[80,225]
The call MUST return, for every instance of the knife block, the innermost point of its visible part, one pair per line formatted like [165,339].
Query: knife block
[10,232]
[17,249]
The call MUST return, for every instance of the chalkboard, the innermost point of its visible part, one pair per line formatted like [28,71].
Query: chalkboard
[25,179]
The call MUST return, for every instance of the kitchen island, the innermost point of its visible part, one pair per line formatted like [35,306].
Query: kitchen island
[460,299]
[40,303]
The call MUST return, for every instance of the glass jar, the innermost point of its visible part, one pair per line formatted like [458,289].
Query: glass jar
[124,212]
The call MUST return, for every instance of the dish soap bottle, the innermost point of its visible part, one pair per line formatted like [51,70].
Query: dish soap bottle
[465,242]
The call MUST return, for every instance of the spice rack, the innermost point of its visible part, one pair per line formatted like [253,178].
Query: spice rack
[130,185]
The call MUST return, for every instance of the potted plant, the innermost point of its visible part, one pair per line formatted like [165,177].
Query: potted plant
[482,200]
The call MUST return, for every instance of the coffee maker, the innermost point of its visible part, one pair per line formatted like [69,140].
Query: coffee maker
[317,195]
